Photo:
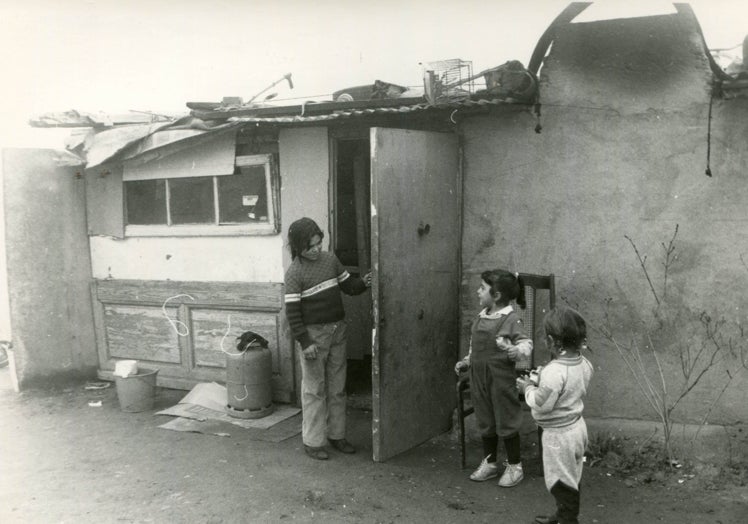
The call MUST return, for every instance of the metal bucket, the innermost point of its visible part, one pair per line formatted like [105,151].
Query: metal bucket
[136,392]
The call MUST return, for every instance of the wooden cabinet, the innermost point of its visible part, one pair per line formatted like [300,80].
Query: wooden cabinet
[185,329]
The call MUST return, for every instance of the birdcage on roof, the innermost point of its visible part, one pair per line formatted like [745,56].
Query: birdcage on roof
[446,80]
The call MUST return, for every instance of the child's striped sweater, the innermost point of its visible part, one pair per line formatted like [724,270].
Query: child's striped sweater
[313,293]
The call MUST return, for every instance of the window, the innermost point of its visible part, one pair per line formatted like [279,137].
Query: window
[238,203]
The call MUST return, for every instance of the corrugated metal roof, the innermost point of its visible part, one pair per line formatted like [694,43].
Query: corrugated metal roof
[357,113]
[136,140]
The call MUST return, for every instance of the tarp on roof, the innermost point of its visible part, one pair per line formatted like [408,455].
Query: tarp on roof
[214,154]
[102,146]
[132,141]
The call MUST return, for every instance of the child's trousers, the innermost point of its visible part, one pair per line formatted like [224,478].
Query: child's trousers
[563,454]
[493,391]
[323,399]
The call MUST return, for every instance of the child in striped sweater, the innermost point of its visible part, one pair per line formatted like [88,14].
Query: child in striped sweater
[315,313]
[557,402]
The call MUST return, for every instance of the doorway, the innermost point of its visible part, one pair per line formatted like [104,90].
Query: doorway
[351,233]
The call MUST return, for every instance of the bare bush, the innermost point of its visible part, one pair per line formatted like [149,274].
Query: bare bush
[703,344]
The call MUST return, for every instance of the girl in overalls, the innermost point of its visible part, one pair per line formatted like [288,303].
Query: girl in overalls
[497,341]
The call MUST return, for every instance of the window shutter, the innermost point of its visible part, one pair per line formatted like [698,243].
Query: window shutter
[104,201]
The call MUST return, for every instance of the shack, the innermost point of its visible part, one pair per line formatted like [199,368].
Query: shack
[170,238]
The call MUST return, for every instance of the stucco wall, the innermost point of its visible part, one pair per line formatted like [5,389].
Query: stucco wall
[622,152]
[5,328]
[48,272]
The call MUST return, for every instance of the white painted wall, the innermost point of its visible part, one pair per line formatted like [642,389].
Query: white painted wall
[305,175]
[202,259]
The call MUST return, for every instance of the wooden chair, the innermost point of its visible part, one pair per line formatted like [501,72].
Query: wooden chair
[531,316]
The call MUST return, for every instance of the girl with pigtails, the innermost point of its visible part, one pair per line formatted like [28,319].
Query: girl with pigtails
[497,342]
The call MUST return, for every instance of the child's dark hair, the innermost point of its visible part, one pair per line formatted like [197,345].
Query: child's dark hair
[508,284]
[566,325]
[300,233]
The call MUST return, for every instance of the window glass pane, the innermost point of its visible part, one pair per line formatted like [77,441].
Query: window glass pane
[146,202]
[191,200]
[243,197]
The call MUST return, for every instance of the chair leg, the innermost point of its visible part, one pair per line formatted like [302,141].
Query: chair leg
[461,426]
[540,448]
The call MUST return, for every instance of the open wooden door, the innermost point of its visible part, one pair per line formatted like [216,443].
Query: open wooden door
[415,194]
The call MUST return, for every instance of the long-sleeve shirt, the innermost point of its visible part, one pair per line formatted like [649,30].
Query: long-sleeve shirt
[312,294]
[558,399]
[509,331]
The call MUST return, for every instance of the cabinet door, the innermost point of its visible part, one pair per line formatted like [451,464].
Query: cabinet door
[185,329]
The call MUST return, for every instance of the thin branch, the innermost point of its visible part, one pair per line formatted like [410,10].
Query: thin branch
[643,371]
[669,257]
[644,268]
[659,367]
[687,388]
[646,440]
[713,403]
[636,377]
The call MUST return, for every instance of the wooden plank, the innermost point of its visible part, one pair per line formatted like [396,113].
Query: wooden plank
[266,296]
[165,378]
[97,120]
[214,333]
[141,333]
[309,108]
[99,331]
[185,341]
[252,160]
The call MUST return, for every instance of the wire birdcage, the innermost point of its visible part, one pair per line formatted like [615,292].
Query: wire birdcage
[448,79]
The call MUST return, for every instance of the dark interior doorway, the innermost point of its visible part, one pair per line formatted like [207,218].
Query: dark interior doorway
[351,219]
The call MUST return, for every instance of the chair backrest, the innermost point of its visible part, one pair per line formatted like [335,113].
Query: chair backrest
[538,304]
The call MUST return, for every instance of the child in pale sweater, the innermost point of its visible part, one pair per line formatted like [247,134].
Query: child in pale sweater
[557,402]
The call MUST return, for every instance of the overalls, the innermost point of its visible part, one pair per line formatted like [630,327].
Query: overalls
[493,380]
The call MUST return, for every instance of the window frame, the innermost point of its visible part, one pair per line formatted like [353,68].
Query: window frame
[271,227]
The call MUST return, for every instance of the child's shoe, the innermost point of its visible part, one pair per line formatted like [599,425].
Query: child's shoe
[316,453]
[512,476]
[342,445]
[486,471]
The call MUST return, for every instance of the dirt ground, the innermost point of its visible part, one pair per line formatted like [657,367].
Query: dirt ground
[63,461]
